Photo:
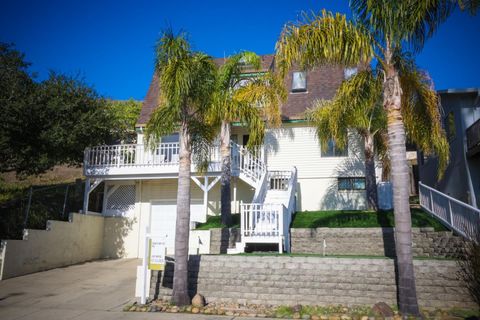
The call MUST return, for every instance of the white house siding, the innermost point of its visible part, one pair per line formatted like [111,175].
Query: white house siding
[296,144]
[124,234]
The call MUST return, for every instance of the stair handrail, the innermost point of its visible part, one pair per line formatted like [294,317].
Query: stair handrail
[292,189]
[457,215]
[247,162]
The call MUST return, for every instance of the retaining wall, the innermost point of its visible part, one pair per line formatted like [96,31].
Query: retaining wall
[313,280]
[373,241]
[61,244]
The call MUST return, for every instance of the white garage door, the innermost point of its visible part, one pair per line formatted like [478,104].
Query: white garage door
[163,220]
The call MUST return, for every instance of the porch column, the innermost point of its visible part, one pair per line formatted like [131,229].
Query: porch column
[205,195]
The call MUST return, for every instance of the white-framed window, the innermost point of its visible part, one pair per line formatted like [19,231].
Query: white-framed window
[334,151]
[349,72]
[345,184]
[299,81]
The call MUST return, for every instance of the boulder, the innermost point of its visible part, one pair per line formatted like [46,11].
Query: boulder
[198,300]
[383,309]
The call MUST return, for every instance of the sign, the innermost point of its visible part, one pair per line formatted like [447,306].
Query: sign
[157,249]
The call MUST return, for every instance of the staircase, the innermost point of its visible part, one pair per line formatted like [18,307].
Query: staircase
[267,219]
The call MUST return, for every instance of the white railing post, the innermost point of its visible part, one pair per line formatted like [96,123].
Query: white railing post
[143,297]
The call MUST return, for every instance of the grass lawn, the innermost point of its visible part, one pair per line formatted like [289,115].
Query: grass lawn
[340,219]
[360,219]
[215,222]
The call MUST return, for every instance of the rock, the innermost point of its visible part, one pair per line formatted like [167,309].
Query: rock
[198,300]
[364,318]
[195,310]
[345,317]
[229,313]
[383,309]
[296,315]
[306,317]
[315,317]
[297,308]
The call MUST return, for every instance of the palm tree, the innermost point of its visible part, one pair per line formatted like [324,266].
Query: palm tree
[249,100]
[377,32]
[187,80]
[356,105]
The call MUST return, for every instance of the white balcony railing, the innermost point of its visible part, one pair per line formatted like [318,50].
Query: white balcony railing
[459,216]
[137,159]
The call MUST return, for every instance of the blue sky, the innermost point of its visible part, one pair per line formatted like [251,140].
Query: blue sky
[110,43]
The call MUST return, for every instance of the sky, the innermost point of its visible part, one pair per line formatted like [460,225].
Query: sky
[110,44]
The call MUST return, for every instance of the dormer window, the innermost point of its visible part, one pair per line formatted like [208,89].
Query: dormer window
[349,72]
[299,81]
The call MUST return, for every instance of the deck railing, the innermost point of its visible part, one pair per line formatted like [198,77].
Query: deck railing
[129,155]
[459,216]
[473,135]
[261,220]
[278,180]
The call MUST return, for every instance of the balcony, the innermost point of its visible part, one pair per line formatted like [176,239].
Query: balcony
[473,139]
[136,161]
[139,161]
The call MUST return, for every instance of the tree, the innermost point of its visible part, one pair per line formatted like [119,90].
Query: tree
[124,115]
[356,105]
[187,81]
[249,100]
[45,123]
[378,31]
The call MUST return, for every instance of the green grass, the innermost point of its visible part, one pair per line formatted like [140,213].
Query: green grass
[215,222]
[360,219]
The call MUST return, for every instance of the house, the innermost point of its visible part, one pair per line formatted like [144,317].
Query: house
[289,173]
[461,121]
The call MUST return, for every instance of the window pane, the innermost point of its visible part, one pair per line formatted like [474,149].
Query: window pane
[334,151]
[299,81]
[344,184]
[359,183]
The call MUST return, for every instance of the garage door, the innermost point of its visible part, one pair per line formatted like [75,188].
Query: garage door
[163,220]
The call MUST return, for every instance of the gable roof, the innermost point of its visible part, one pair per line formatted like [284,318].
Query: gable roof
[322,83]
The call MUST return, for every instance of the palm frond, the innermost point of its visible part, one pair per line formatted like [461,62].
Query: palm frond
[412,21]
[354,106]
[321,39]
[422,115]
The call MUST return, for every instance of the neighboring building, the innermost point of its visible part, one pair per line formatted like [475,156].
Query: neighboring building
[290,173]
[461,121]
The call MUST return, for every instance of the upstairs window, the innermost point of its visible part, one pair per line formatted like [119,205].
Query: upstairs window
[334,151]
[299,81]
[351,184]
[349,72]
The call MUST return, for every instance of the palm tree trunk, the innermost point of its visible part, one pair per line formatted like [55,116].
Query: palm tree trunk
[226,207]
[407,294]
[370,175]
[180,295]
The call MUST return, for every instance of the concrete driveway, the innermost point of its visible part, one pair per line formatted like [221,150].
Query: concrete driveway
[75,292]
[90,291]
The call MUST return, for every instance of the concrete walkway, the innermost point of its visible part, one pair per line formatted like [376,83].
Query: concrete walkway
[90,291]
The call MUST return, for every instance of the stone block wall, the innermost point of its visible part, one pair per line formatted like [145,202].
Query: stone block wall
[223,238]
[373,241]
[284,280]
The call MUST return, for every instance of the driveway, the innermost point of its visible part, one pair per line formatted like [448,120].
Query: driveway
[90,291]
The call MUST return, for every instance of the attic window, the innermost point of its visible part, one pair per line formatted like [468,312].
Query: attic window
[299,81]
[349,72]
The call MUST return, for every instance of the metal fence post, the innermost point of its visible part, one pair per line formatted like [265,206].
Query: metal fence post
[27,210]
[65,201]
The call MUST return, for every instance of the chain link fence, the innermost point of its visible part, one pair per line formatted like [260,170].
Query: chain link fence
[41,203]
